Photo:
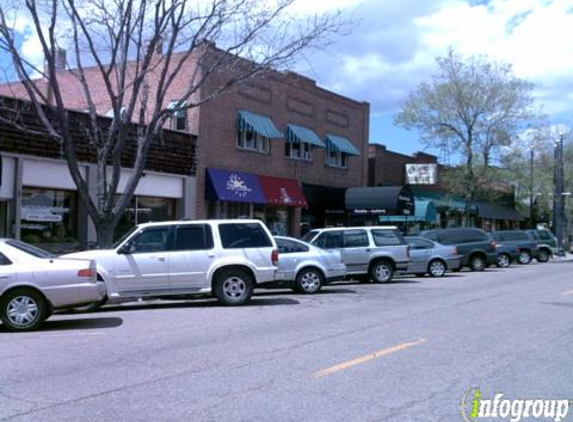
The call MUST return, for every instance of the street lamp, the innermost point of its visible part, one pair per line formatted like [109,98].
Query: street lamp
[531,217]
[558,210]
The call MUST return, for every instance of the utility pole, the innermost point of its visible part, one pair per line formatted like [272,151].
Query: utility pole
[558,203]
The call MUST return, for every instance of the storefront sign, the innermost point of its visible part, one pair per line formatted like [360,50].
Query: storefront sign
[43,214]
[237,185]
[421,174]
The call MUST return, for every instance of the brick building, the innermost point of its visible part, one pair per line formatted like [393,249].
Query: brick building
[39,202]
[278,147]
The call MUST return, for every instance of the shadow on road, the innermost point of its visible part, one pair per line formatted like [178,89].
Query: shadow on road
[564,304]
[76,324]
[325,291]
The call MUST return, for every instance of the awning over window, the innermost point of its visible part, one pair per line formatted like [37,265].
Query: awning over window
[259,124]
[298,134]
[425,212]
[234,186]
[338,143]
[237,186]
[397,200]
[497,212]
[279,191]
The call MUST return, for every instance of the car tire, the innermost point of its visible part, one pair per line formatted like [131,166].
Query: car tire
[381,272]
[524,257]
[503,260]
[309,281]
[543,256]
[477,263]
[437,268]
[233,287]
[23,310]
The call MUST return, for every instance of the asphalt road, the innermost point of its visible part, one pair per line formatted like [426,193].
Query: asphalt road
[405,351]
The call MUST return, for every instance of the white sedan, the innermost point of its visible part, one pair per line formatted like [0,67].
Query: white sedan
[33,283]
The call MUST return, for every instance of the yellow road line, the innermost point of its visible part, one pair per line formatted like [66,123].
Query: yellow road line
[366,358]
[568,293]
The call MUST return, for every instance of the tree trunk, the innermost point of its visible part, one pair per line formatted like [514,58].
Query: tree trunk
[104,231]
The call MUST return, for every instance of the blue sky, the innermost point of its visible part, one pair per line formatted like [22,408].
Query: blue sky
[394,43]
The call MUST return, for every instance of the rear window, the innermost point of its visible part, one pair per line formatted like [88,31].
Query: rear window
[387,237]
[290,246]
[4,259]
[545,235]
[243,235]
[355,239]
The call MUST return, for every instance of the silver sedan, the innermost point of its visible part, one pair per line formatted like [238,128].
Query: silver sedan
[33,283]
[306,268]
[427,256]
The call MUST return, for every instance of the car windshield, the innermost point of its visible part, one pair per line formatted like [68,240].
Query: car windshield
[309,236]
[29,249]
[122,238]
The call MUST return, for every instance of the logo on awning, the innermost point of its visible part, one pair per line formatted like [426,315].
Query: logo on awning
[237,185]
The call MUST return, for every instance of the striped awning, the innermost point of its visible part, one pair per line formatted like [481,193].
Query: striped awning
[259,124]
[338,143]
[301,134]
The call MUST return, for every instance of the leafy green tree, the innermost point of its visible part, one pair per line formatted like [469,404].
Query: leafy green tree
[472,107]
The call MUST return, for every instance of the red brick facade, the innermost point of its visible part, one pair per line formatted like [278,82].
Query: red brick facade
[387,168]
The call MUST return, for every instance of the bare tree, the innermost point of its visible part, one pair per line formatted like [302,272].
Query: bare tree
[473,107]
[135,53]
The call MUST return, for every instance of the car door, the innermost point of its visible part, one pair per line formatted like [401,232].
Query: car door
[8,271]
[192,255]
[356,250]
[141,264]
[291,253]
[420,251]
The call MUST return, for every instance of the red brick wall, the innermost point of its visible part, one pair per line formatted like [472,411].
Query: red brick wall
[387,168]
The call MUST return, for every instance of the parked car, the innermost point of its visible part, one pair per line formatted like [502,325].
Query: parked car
[476,247]
[34,283]
[506,254]
[224,258]
[427,256]
[374,252]
[517,239]
[306,268]
[546,243]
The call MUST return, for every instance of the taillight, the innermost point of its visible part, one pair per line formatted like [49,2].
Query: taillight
[275,257]
[455,251]
[494,246]
[87,272]
[518,250]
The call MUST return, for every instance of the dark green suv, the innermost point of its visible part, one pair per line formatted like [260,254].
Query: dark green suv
[476,247]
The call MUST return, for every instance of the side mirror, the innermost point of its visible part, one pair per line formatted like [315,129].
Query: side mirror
[126,249]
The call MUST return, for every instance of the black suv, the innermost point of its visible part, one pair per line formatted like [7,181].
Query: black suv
[526,248]
[476,247]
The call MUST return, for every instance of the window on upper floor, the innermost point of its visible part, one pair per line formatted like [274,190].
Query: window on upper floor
[179,116]
[299,150]
[336,158]
[252,141]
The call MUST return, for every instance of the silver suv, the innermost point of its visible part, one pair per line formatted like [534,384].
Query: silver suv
[374,251]
[226,258]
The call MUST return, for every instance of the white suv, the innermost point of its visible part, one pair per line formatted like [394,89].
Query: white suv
[226,258]
[373,251]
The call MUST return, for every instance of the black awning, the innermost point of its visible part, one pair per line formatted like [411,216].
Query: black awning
[391,200]
[498,212]
[324,197]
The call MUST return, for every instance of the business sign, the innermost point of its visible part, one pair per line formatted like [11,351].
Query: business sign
[421,174]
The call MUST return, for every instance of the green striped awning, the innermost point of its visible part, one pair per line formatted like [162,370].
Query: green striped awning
[338,143]
[259,124]
[301,134]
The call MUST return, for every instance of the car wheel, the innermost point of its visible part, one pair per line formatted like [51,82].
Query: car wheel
[23,310]
[382,272]
[233,287]
[543,256]
[524,257]
[437,268]
[309,281]
[503,260]
[477,263]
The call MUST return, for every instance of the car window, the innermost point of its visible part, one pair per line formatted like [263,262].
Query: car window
[150,240]
[309,236]
[545,235]
[355,239]
[286,246]
[431,235]
[4,259]
[244,235]
[420,244]
[386,237]
[329,240]
[516,236]
[499,237]
[193,237]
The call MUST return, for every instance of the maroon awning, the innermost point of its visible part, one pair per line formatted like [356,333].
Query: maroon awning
[279,191]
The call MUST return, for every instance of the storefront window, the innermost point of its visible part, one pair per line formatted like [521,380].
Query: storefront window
[143,209]
[277,219]
[49,219]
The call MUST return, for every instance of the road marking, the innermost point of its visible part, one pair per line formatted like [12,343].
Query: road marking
[568,293]
[367,358]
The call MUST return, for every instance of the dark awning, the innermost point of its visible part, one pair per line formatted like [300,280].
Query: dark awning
[259,124]
[234,186]
[425,211]
[397,200]
[323,197]
[497,212]
[302,134]
[279,191]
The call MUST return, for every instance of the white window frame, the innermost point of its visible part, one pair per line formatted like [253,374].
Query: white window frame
[299,151]
[336,159]
[252,141]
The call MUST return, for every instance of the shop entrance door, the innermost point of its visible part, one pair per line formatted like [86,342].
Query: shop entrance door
[3,218]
